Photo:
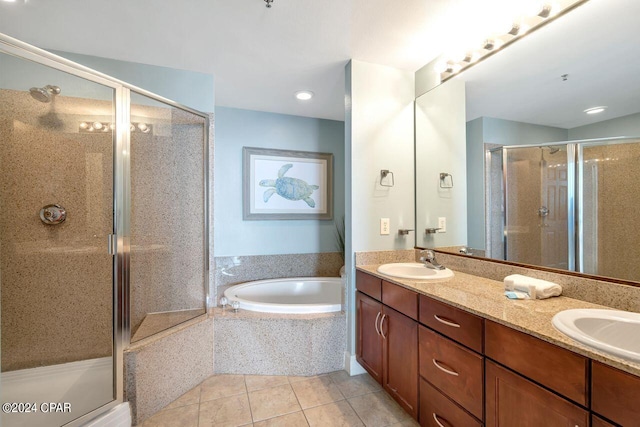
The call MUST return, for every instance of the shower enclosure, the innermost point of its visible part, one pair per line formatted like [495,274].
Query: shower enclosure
[103,189]
[544,202]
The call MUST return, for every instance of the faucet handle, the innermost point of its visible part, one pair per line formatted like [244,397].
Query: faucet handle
[404,231]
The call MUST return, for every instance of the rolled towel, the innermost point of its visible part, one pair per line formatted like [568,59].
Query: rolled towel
[536,288]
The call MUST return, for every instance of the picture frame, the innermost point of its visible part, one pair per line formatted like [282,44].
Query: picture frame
[286,184]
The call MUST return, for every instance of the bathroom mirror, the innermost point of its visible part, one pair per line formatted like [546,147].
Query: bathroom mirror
[529,176]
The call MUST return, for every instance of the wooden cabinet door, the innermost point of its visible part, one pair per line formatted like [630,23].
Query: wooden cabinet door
[400,359]
[512,400]
[368,339]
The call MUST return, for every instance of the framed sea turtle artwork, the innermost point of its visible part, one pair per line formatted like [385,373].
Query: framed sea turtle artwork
[287,184]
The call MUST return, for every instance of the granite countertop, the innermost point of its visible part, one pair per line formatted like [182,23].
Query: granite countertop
[485,298]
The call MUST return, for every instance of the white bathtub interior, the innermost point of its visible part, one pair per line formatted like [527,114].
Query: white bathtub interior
[86,384]
[290,295]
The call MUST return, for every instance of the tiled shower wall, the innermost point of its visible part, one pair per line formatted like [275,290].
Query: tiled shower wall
[167,266]
[56,280]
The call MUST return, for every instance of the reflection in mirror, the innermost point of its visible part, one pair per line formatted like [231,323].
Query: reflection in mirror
[547,183]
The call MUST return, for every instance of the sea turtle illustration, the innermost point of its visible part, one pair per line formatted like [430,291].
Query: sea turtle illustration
[289,188]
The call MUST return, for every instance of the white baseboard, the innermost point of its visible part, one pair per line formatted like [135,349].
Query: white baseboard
[351,365]
[120,416]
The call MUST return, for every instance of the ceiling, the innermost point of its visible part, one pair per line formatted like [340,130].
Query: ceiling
[596,45]
[260,57]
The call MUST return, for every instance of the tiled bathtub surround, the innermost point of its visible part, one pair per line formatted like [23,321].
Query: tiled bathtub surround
[623,297]
[233,270]
[161,368]
[278,344]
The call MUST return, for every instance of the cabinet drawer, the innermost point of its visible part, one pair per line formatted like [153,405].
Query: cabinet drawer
[614,394]
[513,400]
[369,285]
[453,369]
[552,366]
[436,408]
[596,421]
[457,324]
[403,300]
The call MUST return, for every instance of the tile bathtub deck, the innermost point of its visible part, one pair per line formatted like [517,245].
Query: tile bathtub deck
[334,399]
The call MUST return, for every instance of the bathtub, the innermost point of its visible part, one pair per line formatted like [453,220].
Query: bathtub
[289,295]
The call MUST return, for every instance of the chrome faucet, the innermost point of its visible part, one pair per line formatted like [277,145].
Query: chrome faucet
[428,258]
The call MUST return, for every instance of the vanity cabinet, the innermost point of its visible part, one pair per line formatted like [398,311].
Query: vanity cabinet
[387,337]
[512,400]
[458,369]
[615,394]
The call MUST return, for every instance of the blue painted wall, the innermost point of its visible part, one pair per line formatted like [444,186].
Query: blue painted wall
[234,129]
[190,88]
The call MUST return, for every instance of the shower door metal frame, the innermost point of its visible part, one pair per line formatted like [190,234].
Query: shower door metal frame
[121,198]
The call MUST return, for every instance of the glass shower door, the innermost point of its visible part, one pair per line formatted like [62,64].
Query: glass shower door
[608,185]
[537,206]
[56,270]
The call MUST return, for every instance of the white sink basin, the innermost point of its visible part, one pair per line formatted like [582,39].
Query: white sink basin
[414,270]
[612,331]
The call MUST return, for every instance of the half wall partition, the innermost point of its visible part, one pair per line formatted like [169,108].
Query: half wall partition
[103,237]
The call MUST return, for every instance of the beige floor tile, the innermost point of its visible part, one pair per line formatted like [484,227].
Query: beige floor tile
[294,379]
[408,423]
[184,416]
[337,414]
[356,385]
[297,419]
[316,391]
[258,382]
[225,412]
[189,398]
[273,402]
[378,409]
[219,386]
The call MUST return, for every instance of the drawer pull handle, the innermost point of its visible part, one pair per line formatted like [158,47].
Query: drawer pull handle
[376,323]
[446,321]
[435,418]
[448,371]
[381,323]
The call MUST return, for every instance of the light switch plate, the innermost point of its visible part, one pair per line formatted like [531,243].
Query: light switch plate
[442,224]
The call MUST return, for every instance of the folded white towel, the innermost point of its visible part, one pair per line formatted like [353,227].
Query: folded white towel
[536,288]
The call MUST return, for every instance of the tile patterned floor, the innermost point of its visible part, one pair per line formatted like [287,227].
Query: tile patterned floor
[334,399]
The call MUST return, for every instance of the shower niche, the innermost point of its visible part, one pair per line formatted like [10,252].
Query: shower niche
[104,233]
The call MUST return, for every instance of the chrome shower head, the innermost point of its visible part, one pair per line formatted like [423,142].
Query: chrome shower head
[44,94]
[553,150]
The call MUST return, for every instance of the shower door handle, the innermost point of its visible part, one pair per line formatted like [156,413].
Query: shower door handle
[112,244]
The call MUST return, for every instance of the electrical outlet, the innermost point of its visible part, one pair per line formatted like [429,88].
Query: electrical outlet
[442,224]
[384,226]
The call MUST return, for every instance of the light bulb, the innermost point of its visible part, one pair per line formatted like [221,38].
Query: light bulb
[97,125]
[84,125]
[304,95]
[142,126]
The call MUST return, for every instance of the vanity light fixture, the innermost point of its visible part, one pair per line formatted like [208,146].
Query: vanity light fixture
[595,110]
[534,14]
[304,95]
[96,126]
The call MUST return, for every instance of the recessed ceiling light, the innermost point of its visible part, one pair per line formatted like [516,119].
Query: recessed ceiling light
[304,95]
[595,110]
